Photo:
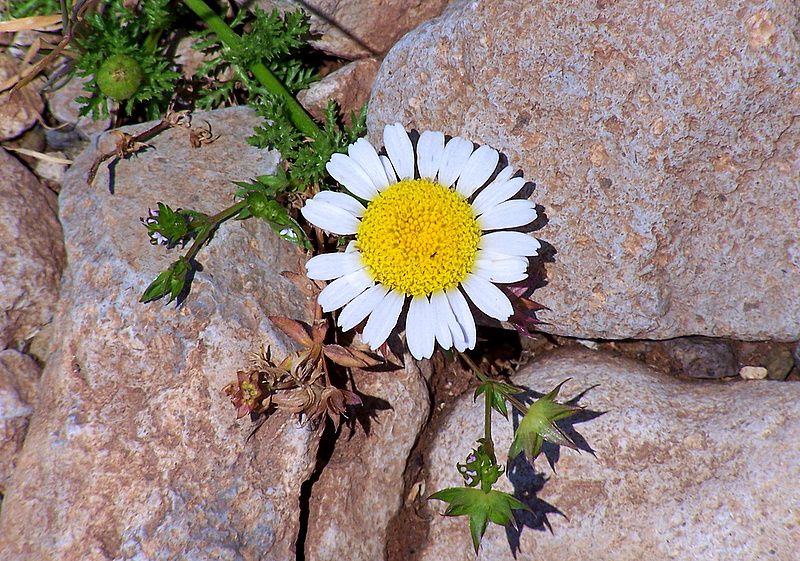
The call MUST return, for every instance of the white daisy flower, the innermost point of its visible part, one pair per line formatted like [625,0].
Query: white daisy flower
[421,234]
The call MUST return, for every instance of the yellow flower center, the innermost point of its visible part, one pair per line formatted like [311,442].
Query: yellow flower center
[417,237]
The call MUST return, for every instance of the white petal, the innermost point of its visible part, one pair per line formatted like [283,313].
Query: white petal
[479,168]
[365,155]
[346,171]
[341,200]
[420,334]
[496,193]
[445,320]
[455,156]
[330,266]
[387,167]
[511,269]
[331,218]
[400,150]
[510,214]
[361,306]
[487,297]
[510,243]
[342,290]
[383,319]
[430,148]
[463,314]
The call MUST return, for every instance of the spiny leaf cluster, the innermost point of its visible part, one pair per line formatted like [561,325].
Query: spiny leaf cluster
[278,40]
[307,156]
[119,31]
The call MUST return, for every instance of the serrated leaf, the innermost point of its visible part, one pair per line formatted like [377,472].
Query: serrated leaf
[538,425]
[481,507]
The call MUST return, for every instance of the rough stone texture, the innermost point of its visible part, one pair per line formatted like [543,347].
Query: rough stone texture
[19,375]
[31,252]
[361,487]
[664,141]
[133,450]
[353,29]
[700,357]
[18,110]
[683,470]
[349,87]
[65,109]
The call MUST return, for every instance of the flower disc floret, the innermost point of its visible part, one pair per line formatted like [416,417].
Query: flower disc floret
[418,236]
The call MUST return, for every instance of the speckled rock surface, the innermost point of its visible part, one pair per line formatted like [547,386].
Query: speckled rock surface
[683,470]
[133,451]
[361,487]
[664,141]
[349,86]
[19,375]
[31,252]
[353,29]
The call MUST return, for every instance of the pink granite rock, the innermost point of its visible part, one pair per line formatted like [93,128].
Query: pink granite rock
[361,487]
[31,252]
[664,140]
[683,470]
[133,450]
[353,29]
[348,86]
[19,375]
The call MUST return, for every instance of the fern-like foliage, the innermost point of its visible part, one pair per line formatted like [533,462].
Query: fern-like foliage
[307,156]
[278,40]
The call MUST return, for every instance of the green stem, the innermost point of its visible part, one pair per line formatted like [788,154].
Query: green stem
[213,223]
[151,42]
[298,115]
[488,443]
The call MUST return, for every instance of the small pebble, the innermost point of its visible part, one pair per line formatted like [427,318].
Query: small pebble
[753,372]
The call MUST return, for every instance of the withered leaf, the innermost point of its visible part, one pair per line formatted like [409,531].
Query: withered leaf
[349,358]
[293,329]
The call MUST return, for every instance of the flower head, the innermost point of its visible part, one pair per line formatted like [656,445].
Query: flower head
[428,229]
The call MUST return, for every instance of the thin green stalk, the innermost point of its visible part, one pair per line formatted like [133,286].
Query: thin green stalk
[213,223]
[488,443]
[298,115]
[521,407]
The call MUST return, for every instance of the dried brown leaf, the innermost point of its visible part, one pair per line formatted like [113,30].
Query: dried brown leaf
[294,329]
[349,358]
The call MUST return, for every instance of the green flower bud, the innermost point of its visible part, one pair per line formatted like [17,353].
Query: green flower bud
[119,77]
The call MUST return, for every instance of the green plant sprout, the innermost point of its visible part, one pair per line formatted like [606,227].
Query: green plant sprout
[477,499]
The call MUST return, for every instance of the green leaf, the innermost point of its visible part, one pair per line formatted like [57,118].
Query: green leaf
[538,425]
[481,507]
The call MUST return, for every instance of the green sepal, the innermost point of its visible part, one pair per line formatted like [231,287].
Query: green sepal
[538,425]
[172,282]
[481,507]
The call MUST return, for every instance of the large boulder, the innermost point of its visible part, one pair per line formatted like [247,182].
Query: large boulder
[133,450]
[31,253]
[682,470]
[664,140]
